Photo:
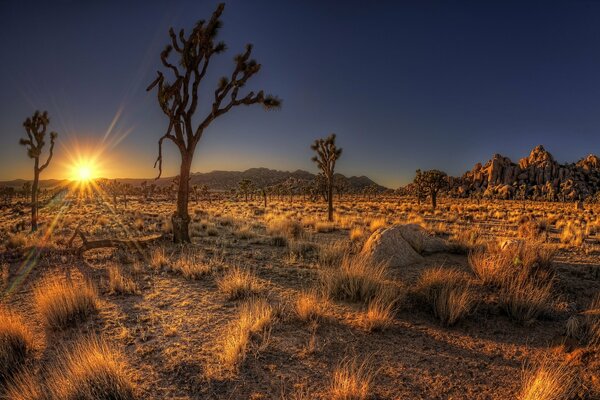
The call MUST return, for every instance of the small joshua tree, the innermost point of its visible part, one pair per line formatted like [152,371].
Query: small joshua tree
[245,188]
[178,99]
[36,127]
[327,155]
[434,181]
[419,186]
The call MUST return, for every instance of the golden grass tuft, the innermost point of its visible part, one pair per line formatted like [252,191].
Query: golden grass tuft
[310,306]
[191,266]
[63,303]
[16,345]
[331,254]
[447,292]
[239,284]
[92,370]
[158,258]
[352,380]
[380,313]
[119,282]
[255,316]
[357,279]
[549,381]
[524,298]
[288,228]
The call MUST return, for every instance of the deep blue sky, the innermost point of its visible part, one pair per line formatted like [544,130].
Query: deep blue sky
[405,85]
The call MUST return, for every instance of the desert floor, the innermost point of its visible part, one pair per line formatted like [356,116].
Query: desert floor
[175,315]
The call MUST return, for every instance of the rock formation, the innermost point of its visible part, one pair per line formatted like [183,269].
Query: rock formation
[538,176]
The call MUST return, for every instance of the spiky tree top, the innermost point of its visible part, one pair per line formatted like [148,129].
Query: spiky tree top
[178,99]
[327,155]
[36,127]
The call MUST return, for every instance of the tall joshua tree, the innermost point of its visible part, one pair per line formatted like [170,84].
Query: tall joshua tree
[178,99]
[327,155]
[36,127]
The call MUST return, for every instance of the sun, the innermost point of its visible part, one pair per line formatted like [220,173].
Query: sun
[83,172]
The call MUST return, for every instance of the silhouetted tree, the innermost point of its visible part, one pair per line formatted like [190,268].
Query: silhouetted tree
[434,181]
[245,186]
[178,99]
[36,127]
[327,155]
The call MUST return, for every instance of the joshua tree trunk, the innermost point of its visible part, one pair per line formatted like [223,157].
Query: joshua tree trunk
[181,218]
[330,201]
[34,196]
[433,200]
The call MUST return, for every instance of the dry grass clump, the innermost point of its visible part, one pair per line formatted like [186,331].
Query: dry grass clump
[16,345]
[465,240]
[119,282]
[191,266]
[16,241]
[352,380]
[254,318]
[494,264]
[377,223]
[285,227]
[300,249]
[239,284]
[549,381]
[324,227]
[380,312]
[356,279]
[93,370]
[572,234]
[447,292]
[356,234]
[331,254]
[25,386]
[310,306]
[522,272]
[63,303]
[158,258]
[524,298]
[533,230]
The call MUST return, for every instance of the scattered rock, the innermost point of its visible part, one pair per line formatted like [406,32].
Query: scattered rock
[401,245]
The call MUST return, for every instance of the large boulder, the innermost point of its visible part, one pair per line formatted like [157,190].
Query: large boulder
[401,245]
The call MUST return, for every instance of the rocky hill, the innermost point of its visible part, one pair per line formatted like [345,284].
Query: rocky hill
[538,176]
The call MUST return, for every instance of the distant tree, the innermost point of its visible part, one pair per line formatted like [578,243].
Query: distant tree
[26,190]
[245,187]
[36,127]
[178,99]
[327,155]
[341,185]
[419,188]
[205,193]
[434,181]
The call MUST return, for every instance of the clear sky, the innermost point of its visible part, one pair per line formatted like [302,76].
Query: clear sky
[404,84]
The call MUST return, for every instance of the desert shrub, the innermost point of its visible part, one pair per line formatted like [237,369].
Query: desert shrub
[524,297]
[16,345]
[63,303]
[447,293]
[310,306]
[255,316]
[352,380]
[119,282]
[356,279]
[92,370]
[239,284]
[549,381]
[465,240]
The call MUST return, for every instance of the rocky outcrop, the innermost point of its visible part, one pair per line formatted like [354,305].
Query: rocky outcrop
[538,176]
[401,245]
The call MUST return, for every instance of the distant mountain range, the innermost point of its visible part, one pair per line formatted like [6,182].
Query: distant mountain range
[225,180]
